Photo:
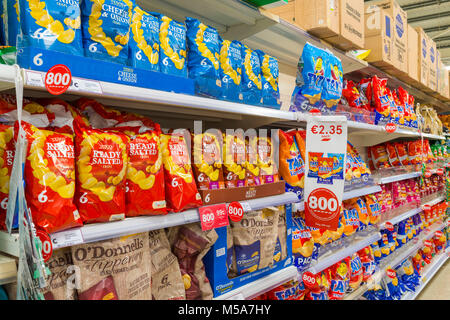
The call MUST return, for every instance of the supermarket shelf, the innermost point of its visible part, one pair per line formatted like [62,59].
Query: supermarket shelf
[355,243]
[8,270]
[102,231]
[9,243]
[262,285]
[427,275]
[435,201]
[398,177]
[433,136]
[401,217]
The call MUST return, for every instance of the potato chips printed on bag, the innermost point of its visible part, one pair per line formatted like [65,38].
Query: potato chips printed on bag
[356,271]
[207,157]
[380,156]
[291,162]
[231,64]
[203,64]
[254,239]
[50,179]
[144,40]
[402,153]
[114,269]
[52,25]
[269,77]
[234,158]
[302,244]
[145,193]
[340,275]
[172,41]
[7,152]
[106,29]
[373,208]
[251,77]
[180,188]
[268,170]
[102,160]
[251,162]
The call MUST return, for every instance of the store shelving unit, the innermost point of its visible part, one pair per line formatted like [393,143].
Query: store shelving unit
[398,177]
[262,285]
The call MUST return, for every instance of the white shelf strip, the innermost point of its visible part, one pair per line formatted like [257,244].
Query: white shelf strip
[399,177]
[341,253]
[401,217]
[261,285]
[427,275]
[108,230]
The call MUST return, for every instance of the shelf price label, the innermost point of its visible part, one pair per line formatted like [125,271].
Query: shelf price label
[309,279]
[58,79]
[326,149]
[214,216]
[390,127]
[47,247]
[235,211]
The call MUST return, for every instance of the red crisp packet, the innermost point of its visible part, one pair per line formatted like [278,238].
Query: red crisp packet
[340,274]
[104,290]
[366,90]
[292,290]
[392,154]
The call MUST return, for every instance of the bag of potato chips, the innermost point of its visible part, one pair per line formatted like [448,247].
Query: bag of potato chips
[52,25]
[234,156]
[106,29]
[11,18]
[102,160]
[280,251]
[61,268]
[144,40]
[251,77]
[251,163]
[231,64]
[50,179]
[7,151]
[181,190]
[172,40]
[268,170]
[269,77]
[203,58]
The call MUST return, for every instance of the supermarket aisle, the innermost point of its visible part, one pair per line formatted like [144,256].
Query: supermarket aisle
[439,287]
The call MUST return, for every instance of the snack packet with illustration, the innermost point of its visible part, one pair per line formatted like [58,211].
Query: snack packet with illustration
[231,65]
[269,77]
[251,77]
[333,83]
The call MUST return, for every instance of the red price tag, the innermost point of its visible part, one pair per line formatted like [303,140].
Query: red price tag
[427,173]
[58,79]
[438,234]
[212,217]
[391,273]
[440,171]
[309,279]
[47,247]
[391,127]
[427,243]
[389,226]
[322,209]
[235,211]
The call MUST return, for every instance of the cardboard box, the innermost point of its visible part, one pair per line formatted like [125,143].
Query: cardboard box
[286,12]
[423,57]
[400,19]
[351,25]
[379,37]
[413,53]
[432,65]
[447,83]
[318,17]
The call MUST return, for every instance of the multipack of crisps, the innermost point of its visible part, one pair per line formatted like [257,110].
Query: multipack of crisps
[403,114]
[392,154]
[251,77]
[144,40]
[234,158]
[52,25]
[203,58]
[7,151]
[408,276]
[207,156]
[373,208]
[251,161]
[310,78]
[333,84]
[180,187]
[382,101]
[102,160]
[291,290]
[392,284]
[352,97]
[64,113]
[268,170]
[302,244]
[340,277]
[270,74]
[231,64]
[359,205]
[11,18]
[172,41]
[106,29]
[50,179]
[356,271]
[32,112]
[368,262]
[291,161]
[145,193]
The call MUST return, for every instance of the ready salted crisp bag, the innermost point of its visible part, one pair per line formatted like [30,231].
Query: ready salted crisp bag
[7,151]
[231,65]
[203,44]
[52,25]
[269,75]
[172,39]
[144,40]
[102,160]
[114,269]
[106,29]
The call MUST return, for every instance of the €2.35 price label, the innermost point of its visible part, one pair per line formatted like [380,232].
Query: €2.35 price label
[214,216]
[58,79]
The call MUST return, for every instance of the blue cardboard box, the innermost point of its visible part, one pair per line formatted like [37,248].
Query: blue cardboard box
[215,262]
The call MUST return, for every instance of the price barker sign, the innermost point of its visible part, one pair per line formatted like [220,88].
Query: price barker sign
[326,149]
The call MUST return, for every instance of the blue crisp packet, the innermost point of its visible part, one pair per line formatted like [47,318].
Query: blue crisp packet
[11,21]
[392,284]
[2,25]
[106,26]
[144,40]
[269,76]
[375,293]
[251,77]
[203,44]
[301,245]
[310,78]
[172,41]
[52,25]
[408,275]
[333,84]
[231,63]
[247,257]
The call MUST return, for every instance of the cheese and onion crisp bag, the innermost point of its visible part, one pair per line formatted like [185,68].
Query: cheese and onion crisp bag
[269,76]
[251,77]
[231,65]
